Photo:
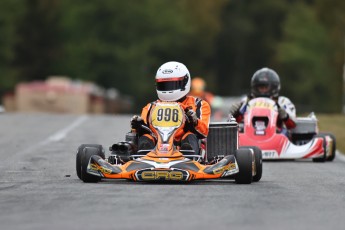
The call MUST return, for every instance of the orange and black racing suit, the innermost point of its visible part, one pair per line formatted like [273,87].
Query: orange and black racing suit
[191,133]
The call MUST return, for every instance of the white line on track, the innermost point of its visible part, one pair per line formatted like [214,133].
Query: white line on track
[63,132]
[59,135]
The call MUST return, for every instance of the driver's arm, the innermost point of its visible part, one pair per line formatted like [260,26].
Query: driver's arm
[203,112]
[290,112]
[290,123]
[145,112]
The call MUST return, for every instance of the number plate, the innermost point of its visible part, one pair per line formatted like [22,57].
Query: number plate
[261,103]
[167,115]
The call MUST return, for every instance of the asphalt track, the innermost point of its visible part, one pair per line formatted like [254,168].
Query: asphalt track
[39,188]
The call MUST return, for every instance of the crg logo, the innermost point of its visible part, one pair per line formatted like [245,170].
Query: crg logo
[161,175]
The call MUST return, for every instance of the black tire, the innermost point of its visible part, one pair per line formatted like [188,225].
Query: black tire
[244,160]
[81,157]
[322,159]
[258,161]
[334,147]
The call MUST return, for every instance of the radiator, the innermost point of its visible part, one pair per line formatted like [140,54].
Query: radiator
[222,139]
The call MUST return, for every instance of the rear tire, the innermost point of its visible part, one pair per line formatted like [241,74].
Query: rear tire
[334,147]
[244,160]
[84,153]
[258,161]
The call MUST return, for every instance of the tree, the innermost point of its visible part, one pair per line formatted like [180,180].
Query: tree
[303,56]
[9,12]
[122,43]
[331,15]
[36,45]
[247,42]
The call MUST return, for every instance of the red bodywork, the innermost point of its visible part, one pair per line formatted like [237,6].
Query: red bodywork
[260,129]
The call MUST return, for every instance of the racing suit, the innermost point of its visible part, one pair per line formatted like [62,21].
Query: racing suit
[282,102]
[188,137]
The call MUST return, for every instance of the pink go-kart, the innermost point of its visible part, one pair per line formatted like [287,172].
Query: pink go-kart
[303,142]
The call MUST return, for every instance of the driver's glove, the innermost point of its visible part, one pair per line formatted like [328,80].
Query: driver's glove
[282,114]
[136,122]
[235,108]
[191,114]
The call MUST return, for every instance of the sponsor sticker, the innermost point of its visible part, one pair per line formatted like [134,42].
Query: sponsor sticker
[97,168]
[167,71]
[269,154]
[164,148]
[233,169]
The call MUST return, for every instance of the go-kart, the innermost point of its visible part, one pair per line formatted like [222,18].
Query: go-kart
[218,157]
[304,141]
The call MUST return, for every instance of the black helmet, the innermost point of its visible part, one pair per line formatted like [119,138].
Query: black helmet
[265,83]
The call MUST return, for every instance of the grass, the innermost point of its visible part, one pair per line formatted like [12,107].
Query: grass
[335,124]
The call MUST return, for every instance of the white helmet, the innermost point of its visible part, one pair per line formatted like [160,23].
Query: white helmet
[172,81]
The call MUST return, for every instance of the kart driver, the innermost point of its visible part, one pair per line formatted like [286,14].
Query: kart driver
[173,83]
[266,83]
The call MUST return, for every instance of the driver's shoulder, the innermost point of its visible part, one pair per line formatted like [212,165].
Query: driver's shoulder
[286,103]
[284,100]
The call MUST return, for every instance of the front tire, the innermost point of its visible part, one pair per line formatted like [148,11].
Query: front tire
[244,160]
[258,161]
[84,154]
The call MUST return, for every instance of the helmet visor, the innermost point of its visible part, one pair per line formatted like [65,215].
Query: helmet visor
[263,88]
[170,84]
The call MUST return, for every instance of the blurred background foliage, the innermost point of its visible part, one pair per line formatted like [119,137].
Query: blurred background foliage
[121,44]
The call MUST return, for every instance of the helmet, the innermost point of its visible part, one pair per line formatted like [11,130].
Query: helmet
[172,81]
[198,86]
[265,83]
